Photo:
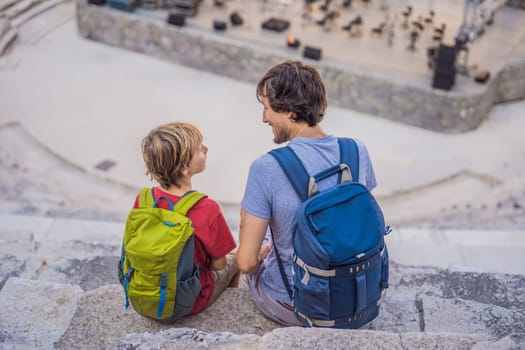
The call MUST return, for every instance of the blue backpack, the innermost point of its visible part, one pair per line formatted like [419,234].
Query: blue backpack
[339,257]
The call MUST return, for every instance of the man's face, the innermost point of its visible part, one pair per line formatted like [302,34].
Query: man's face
[279,121]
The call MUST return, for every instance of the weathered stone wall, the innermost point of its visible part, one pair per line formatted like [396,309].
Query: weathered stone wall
[446,111]
[511,82]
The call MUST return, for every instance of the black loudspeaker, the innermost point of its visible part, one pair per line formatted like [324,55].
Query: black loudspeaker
[446,55]
[445,68]
[276,24]
[236,19]
[97,2]
[219,24]
[312,52]
[177,19]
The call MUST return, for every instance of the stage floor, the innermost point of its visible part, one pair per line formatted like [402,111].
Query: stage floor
[369,52]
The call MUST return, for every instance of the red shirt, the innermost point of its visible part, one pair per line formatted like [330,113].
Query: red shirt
[213,239]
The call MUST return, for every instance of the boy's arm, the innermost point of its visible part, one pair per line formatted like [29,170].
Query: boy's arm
[251,236]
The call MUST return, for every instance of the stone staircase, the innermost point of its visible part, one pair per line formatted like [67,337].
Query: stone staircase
[59,290]
[14,13]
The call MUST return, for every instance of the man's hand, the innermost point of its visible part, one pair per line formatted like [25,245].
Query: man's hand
[265,249]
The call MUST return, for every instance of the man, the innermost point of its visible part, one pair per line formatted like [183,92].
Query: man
[294,100]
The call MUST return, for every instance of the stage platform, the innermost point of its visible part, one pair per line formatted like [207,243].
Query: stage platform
[368,72]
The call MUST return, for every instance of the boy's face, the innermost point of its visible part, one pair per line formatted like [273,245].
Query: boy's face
[198,161]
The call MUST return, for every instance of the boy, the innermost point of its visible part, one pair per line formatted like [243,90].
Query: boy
[173,153]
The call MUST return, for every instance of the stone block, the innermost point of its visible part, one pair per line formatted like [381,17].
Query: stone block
[317,338]
[36,313]
[441,256]
[17,242]
[81,249]
[81,239]
[513,341]
[102,319]
[38,226]
[507,291]
[514,262]
[454,341]
[397,314]
[298,338]
[95,231]
[187,338]
[90,273]
[19,266]
[456,315]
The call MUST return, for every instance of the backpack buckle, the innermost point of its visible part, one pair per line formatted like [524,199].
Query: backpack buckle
[163,280]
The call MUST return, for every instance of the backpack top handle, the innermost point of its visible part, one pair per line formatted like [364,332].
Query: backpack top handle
[302,182]
[183,205]
[342,169]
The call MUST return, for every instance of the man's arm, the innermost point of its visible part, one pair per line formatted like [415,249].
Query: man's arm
[251,236]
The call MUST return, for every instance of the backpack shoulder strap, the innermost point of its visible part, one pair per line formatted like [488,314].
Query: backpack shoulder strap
[349,155]
[187,201]
[146,199]
[294,170]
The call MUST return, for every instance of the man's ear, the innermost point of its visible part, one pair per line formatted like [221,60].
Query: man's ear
[292,117]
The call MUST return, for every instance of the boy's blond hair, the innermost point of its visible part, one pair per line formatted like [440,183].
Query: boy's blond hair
[168,149]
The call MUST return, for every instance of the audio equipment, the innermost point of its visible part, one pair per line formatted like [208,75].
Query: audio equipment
[236,19]
[219,25]
[276,24]
[445,68]
[311,52]
[177,19]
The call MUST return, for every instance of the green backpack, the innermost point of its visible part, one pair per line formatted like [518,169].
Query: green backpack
[157,268]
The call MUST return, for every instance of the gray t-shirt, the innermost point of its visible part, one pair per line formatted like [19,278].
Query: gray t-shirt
[269,195]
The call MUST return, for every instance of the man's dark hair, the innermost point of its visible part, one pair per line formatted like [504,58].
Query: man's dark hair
[294,86]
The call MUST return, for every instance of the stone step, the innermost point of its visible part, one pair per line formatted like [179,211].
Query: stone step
[7,3]
[419,300]
[61,316]
[14,13]
[34,11]
[463,250]
[311,339]
[19,8]
[39,255]
[7,39]
[4,25]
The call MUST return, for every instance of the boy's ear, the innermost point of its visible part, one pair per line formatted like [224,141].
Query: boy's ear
[185,171]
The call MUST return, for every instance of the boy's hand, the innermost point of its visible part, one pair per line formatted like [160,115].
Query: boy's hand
[218,264]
